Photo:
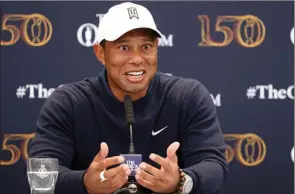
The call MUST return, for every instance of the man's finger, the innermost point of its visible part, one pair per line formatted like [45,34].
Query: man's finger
[150,169]
[103,164]
[111,185]
[171,152]
[144,183]
[150,178]
[108,187]
[163,162]
[118,181]
[102,154]
[108,174]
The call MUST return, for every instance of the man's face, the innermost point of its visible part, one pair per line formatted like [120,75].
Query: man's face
[131,62]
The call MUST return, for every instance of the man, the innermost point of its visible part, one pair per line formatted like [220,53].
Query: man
[176,128]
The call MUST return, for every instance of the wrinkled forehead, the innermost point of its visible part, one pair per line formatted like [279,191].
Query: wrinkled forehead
[144,34]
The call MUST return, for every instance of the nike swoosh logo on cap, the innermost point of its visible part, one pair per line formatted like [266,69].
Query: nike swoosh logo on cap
[156,133]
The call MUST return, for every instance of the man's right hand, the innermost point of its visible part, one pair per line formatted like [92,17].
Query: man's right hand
[116,177]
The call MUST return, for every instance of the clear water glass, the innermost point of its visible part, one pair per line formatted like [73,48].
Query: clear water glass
[42,174]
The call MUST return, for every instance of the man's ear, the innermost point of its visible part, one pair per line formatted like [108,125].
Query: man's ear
[99,53]
[157,41]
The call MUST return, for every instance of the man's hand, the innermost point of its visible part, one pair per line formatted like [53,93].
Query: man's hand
[164,180]
[116,177]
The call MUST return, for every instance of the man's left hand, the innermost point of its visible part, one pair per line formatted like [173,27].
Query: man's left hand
[164,180]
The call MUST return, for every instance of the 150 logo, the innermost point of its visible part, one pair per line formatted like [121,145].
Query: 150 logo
[249,149]
[248,31]
[34,29]
[15,152]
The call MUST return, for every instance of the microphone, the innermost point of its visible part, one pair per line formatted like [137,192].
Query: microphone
[129,120]
[131,159]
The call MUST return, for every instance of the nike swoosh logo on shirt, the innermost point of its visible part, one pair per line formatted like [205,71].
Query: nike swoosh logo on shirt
[156,133]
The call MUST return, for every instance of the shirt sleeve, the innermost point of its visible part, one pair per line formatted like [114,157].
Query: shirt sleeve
[202,143]
[54,139]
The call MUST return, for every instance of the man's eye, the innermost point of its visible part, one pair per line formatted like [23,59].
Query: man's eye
[124,48]
[147,47]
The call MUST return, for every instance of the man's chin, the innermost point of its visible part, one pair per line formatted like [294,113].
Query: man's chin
[136,89]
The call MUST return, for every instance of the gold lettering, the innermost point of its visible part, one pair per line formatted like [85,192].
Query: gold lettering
[36,29]
[254,150]
[237,32]
[251,22]
[14,151]
[229,153]
[31,35]
[12,29]
[24,145]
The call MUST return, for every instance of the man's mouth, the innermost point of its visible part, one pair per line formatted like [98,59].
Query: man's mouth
[135,73]
[135,76]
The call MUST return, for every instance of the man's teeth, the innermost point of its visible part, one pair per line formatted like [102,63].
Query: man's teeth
[138,73]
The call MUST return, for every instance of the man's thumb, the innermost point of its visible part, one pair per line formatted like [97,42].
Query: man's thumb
[102,154]
[171,151]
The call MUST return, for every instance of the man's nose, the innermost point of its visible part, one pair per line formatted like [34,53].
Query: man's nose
[136,58]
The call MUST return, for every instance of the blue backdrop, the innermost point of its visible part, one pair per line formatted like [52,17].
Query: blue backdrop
[242,51]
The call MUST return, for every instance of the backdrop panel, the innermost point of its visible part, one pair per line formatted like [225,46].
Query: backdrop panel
[242,51]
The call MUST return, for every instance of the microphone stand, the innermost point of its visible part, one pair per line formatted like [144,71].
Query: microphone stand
[131,157]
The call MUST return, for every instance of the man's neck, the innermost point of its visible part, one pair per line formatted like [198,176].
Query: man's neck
[119,94]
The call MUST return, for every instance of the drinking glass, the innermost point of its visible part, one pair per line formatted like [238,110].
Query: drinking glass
[42,175]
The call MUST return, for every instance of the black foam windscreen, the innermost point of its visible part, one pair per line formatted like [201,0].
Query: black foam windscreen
[128,110]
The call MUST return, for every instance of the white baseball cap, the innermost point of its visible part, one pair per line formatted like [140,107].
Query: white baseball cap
[122,18]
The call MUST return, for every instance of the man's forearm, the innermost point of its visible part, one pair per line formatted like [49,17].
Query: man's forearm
[70,181]
[208,176]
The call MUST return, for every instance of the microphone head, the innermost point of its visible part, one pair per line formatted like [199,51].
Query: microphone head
[128,110]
